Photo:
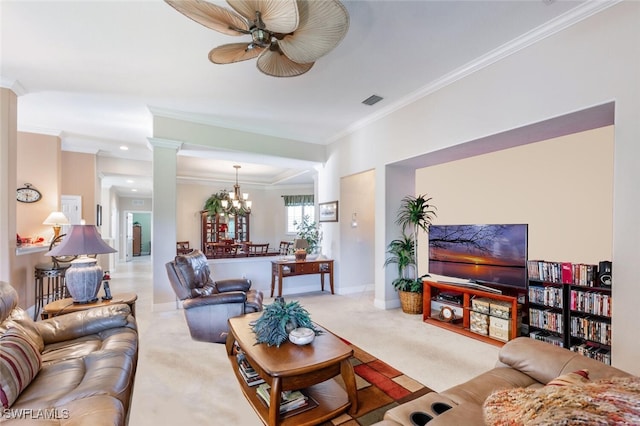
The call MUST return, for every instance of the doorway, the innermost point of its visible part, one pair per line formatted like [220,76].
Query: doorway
[72,208]
[138,235]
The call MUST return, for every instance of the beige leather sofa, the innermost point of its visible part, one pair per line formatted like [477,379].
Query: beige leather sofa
[522,363]
[73,369]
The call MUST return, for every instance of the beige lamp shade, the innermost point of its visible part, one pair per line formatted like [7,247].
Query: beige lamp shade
[300,244]
[57,219]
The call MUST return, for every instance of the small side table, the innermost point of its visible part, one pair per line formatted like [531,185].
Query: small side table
[53,274]
[65,306]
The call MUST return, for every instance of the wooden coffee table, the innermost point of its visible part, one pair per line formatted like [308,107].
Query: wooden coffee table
[311,367]
[65,306]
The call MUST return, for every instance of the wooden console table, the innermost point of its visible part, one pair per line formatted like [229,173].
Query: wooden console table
[289,268]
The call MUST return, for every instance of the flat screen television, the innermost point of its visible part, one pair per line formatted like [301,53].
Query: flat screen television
[492,255]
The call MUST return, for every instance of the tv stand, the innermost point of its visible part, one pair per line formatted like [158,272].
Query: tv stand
[431,289]
[478,285]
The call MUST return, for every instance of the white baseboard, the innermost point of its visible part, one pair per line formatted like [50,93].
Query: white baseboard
[166,306]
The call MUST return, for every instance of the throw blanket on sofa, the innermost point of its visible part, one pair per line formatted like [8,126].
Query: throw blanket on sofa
[614,401]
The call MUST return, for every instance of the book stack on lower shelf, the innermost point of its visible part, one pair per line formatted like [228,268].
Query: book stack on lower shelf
[248,373]
[291,401]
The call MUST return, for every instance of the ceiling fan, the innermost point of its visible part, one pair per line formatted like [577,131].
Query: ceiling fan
[287,36]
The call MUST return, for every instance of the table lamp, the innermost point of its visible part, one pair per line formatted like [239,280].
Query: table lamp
[57,219]
[300,246]
[84,275]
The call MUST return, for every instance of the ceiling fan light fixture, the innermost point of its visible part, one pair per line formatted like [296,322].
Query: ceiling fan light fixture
[261,37]
[287,36]
[272,62]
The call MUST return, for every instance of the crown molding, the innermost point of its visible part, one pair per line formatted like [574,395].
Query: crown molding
[560,23]
[26,128]
[13,85]
[163,143]
[207,120]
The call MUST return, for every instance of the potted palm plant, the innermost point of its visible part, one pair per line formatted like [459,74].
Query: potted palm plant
[415,214]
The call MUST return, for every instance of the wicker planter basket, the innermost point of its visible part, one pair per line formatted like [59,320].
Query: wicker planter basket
[410,302]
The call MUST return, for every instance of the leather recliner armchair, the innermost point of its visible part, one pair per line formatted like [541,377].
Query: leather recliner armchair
[209,304]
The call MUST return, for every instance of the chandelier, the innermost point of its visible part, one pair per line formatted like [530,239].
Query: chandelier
[237,203]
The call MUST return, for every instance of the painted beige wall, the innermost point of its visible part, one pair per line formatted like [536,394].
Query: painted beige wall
[79,177]
[39,163]
[562,188]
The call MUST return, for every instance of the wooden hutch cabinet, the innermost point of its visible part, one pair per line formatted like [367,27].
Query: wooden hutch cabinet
[137,239]
[220,229]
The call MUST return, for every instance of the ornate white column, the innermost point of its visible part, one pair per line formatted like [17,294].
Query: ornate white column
[163,218]
[8,160]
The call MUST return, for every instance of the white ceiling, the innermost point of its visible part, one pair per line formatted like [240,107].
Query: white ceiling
[94,71]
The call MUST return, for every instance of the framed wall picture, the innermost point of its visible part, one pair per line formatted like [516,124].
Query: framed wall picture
[328,211]
[98,215]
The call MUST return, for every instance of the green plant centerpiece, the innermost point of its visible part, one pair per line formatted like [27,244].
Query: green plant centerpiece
[213,205]
[309,230]
[279,319]
[414,214]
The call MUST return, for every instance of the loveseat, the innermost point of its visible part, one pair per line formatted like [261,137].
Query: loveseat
[526,370]
[72,369]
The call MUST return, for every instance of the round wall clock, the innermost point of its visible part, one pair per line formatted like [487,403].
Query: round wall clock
[28,194]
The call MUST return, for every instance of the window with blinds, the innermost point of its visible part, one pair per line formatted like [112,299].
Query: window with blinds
[298,206]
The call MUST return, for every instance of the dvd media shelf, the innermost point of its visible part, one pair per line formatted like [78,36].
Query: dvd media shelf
[546,295]
[567,308]
[590,302]
[546,312]
[592,330]
[547,337]
[595,352]
[546,320]
[563,272]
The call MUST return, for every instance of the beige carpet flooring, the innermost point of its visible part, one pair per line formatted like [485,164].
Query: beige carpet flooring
[183,382]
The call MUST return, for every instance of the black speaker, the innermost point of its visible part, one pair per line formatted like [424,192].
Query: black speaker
[605,276]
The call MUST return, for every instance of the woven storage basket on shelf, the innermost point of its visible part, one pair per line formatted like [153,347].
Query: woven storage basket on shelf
[411,302]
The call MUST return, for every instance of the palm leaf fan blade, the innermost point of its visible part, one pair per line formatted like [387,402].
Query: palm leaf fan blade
[275,64]
[211,16]
[234,52]
[279,16]
[323,24]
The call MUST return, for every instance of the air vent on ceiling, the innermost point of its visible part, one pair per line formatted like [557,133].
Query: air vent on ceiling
[373,99]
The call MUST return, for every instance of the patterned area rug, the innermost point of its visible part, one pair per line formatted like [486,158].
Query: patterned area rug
[380,388]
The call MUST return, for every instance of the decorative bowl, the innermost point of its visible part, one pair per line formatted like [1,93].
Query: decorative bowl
[302,336]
